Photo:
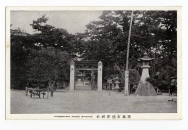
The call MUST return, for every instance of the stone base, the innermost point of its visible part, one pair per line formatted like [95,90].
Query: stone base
[145,89]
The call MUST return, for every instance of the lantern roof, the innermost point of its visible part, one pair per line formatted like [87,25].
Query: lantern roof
[146,57]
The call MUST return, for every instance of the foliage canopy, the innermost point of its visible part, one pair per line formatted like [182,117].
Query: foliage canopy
[46,53]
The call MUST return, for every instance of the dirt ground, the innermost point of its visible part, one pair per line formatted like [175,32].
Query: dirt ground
[90,101]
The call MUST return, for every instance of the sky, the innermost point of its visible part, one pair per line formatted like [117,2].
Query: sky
[72,21]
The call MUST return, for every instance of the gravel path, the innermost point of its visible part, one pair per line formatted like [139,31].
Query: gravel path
[87,101]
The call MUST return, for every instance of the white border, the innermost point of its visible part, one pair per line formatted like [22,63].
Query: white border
[177,115]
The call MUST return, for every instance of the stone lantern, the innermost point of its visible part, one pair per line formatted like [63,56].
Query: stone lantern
[117,83]
[145,67]
[145,88]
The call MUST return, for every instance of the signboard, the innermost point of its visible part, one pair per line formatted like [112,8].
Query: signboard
[109,81]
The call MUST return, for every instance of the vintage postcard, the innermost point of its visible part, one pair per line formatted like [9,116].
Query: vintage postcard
[95,63]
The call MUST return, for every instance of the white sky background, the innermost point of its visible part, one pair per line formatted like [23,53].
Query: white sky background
[72,21]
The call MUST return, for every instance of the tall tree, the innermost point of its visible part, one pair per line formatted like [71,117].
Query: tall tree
[154,32]
[42,55]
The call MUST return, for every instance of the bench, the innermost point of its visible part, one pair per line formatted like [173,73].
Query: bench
[33,93]
[36,92]
[43,93]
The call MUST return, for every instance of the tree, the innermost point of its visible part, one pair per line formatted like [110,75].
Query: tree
[134,76]
[18,57]
[163,26]
[48,35]
[154,32]
[42,56]
[48,64]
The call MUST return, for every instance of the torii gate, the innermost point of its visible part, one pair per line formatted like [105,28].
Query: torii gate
[75,65]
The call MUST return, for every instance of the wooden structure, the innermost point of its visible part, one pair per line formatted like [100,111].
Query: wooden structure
[90,69]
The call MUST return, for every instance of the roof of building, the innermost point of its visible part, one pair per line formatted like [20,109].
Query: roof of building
[86,62]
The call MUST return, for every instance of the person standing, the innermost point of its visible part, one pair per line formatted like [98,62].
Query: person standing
[173,85]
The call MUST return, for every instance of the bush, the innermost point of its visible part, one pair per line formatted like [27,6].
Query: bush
[134,77]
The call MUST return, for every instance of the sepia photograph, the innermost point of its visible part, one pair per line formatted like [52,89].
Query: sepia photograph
[93,63]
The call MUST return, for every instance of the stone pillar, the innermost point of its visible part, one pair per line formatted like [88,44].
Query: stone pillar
[145,73]
[72,75]
[99,81]
[126,83]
